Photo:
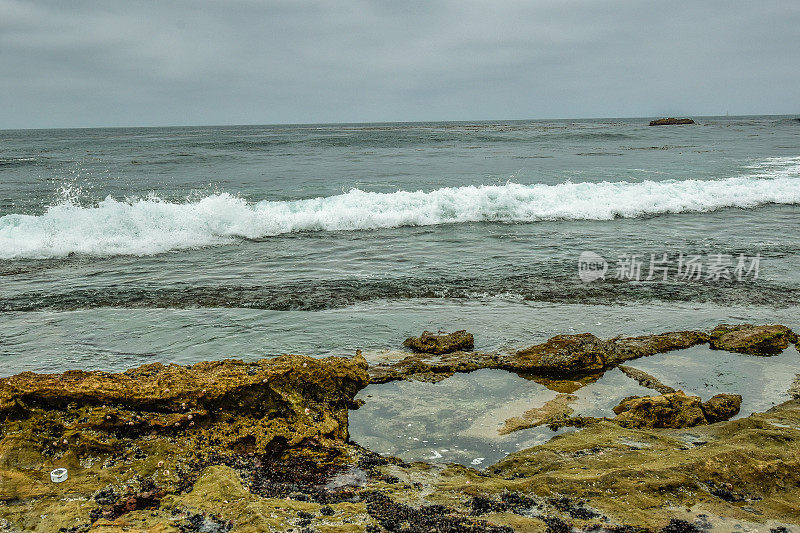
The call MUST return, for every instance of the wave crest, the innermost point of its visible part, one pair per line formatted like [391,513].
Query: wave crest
[151,225]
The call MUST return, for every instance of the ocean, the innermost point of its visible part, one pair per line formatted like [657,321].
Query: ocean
[120,247]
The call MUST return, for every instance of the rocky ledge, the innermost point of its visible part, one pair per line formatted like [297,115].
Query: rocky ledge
[263,446]
[570,357]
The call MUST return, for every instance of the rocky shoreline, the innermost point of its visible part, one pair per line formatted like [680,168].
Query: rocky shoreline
[264,446]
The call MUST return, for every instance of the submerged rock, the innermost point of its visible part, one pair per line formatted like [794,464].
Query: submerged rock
[646,380]
[752,340]
[552,411]
[671,121]
[721,407]
[440,343]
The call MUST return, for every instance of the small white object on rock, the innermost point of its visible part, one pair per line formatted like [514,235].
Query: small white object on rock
[58,475]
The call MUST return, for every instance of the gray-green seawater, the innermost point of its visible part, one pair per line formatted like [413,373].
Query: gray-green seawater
[125,246]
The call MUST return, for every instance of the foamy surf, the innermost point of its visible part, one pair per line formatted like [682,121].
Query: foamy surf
[151,225]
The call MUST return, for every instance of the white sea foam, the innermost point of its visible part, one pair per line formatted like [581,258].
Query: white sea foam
[151,225]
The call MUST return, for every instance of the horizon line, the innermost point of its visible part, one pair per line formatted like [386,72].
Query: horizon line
[467,121]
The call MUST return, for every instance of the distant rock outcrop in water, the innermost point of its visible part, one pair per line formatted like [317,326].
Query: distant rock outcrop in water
[671,121]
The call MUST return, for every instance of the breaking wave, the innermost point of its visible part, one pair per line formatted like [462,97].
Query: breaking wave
[151,225]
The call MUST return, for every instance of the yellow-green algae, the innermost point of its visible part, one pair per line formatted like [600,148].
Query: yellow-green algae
[218,445]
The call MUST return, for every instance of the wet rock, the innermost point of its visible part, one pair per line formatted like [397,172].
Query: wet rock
[673,410]
[557,423]
[431,368]
[627,348]
[725,491]
[269,452]
[582,354]
[671,121]
[562,355]
[440,343]
[239,406]
[144,500]
[572,508]
[752,340]
[646,380]
[557,525]
[158,426]
[721,407]
[570,360]
[749,457]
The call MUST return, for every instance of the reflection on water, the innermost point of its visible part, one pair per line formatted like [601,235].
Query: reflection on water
[763,382]
[461,419]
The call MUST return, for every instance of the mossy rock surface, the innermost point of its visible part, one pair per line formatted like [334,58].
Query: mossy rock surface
[440,343]
[263,446]
[752,340]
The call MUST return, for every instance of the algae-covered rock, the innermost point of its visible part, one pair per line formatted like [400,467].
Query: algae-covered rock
[746,471]
[563,355]
[562,358]
[752,340]
[431,368]
[130,439]
[585,354]
[721,407]
[672,410]
[440,343]
[626,348]
[233,446]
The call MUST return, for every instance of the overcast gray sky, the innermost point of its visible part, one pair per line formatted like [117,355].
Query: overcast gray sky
[116,63]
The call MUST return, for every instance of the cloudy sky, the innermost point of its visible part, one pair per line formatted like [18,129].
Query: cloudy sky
[127,62]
